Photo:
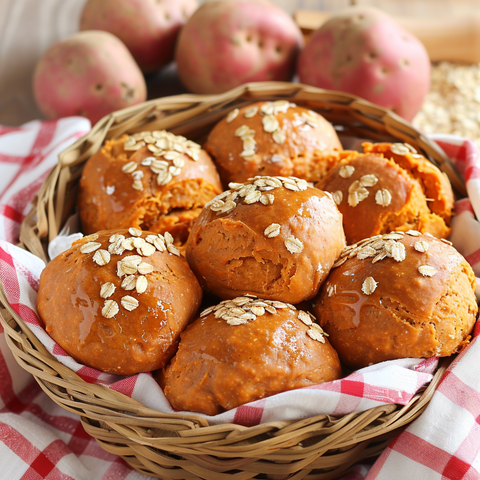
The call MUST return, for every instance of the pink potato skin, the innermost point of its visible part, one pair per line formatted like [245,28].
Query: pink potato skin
[148,28]
[89,74]
[226,44]
[364,52]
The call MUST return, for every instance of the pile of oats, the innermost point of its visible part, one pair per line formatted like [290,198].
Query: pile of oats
[131,269]
[245,309]
[453,104]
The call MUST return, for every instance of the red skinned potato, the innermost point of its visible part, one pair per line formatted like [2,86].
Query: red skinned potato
[226,44]
[89,74]
[148,28]
[361,50]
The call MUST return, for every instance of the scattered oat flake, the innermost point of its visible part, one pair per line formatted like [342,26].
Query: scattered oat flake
[258,311]
[398,251]
[356,194]
[146,249]
[207,311]
[270,123]
[366,252]
[241,131]
[142,284]
[101,257]
[369,285]
[116,248]
[346,171]
[232,115]
[173,250]
[129,303]
[253,197]
[399,149]
[368,180]
[421,246]
[413,233]
[116,238]
[129,167]
[267,199]
[427,270]
[235,321]
[305,317]
[337,197]
[137,185]
[91,238]
[168,238]
[128,267]
[159,244]
[129,282]
[315,334]
[135,232]
[293,245]
[90,247]
[107,290]
[383,197]
[250,112]
[110,309]
[145,268]
[127,244]
[272,230]
[279,137]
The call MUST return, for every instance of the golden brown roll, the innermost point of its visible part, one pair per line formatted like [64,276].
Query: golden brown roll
[246,349]
[273,138]
[153,181]
[118,300]
[389,188]
[273,237]
[398,295]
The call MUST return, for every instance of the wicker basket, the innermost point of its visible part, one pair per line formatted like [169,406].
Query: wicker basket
[181,447]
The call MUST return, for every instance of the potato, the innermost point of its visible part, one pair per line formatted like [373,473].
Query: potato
[225,44]
[362,50]
[90,74]
[149,28]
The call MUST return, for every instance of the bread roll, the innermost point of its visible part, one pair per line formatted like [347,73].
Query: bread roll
[381,191]
[153,181]
[118,300]
[398,295]
[246,349]
[273,138]
[273,237]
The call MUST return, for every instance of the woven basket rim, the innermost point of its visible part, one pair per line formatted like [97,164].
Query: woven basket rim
[182,114]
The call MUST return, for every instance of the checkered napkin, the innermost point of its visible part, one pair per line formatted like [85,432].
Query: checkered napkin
[41,440]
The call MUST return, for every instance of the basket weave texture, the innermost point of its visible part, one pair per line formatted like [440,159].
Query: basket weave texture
[170,446]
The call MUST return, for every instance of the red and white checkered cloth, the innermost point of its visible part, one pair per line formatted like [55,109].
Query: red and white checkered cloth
[41,440]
